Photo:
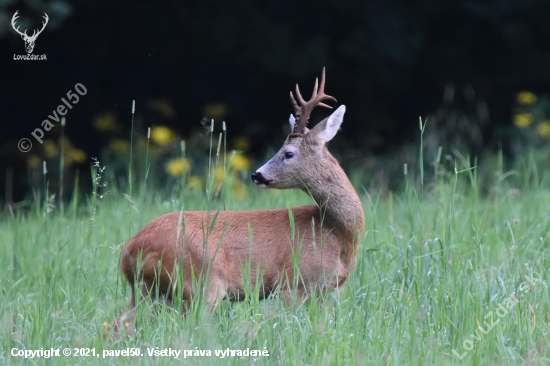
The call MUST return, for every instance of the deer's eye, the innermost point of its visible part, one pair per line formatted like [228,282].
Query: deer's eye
[289,155]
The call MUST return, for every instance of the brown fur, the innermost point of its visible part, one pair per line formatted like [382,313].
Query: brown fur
[326,255]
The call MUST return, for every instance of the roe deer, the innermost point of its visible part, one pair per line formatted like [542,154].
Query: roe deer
[328,232]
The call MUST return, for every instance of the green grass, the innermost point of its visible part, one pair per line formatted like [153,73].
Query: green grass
[435,260]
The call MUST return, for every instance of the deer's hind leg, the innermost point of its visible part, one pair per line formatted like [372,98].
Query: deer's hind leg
[216,291]
[124,323]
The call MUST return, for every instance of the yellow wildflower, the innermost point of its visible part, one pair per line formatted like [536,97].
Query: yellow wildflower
[106,122]
[75,155]
[120,145]
[544,128]
[126,324]
[239,162]
[526,97]
[104,324]
[241,143]
[523,120]
[162,135]
[194,182]
[50,148]
[177,167]
[72,154]
[34,161]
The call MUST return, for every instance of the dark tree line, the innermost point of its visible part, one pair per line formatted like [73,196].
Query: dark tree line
[387,60]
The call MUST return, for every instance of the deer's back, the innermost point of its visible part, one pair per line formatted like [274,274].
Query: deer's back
[235,237]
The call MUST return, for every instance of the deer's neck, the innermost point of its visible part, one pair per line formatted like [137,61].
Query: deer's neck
[339,203]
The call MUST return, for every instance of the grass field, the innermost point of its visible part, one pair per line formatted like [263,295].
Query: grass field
[455,263]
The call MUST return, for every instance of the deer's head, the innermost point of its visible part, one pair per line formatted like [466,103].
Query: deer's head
[303,157]
[29,40]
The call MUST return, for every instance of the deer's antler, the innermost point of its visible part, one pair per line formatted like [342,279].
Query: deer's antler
[15,16]
[302,112]
[24,34]
[43,26]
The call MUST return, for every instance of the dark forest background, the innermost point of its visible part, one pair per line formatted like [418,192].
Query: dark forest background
[388,61]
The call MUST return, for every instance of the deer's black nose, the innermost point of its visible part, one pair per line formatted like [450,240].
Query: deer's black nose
[258,178]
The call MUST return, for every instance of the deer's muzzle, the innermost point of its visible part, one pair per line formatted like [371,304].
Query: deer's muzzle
[258,178]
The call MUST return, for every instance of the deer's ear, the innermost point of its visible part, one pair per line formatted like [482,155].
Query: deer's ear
[328,128]
[292,121]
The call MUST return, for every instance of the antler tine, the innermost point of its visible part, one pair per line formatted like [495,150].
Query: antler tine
[315,88]
[324,105]
[292,100]
[297,109]
[322,90]
[299,96]
[46,18]
[323,82]
[13,19]
[303,112]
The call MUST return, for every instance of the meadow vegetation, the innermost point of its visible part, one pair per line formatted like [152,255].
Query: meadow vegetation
[438,259]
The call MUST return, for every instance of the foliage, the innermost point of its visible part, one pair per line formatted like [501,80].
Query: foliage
[236,61]
[57,10]
[532,118]
[435,260]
